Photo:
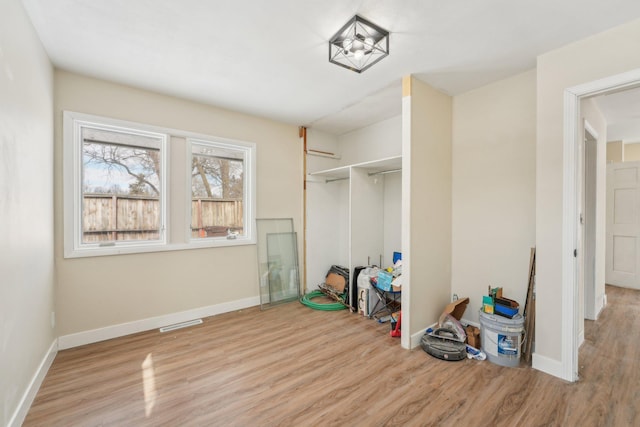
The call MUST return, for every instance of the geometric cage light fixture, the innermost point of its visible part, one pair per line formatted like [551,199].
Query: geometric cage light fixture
[358,45]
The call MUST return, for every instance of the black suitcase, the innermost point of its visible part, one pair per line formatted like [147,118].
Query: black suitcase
[353,289]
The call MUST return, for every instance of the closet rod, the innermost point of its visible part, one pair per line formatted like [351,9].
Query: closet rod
[319,153]
[335,179]
[384,172]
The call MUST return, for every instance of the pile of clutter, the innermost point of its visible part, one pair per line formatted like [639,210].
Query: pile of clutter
[450,340]
[494,302]
[378,294]
[390,279]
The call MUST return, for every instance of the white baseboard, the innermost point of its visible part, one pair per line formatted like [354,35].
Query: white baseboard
[581,338]
[36,381]
[601,304]
[547,365]
[415,338]
[115,331]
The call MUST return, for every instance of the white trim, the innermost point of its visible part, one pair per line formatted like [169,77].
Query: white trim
[569,334]
[581,338]
[73,123]
[406,340]
[181,325]
[590,129]
[590,225]
[569,349]
[72,181]
[167,248]
[601,303]
[30,393]
[115,331]
[546,365]
[248,151]
[417,337]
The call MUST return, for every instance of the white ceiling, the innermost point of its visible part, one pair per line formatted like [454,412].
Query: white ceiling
[622,112]
[270,58]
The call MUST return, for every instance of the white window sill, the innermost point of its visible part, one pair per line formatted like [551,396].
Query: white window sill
[149,248]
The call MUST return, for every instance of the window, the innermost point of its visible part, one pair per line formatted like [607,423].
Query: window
[220,204]
[116,181]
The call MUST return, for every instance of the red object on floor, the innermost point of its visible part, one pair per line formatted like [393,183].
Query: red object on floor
[397,332]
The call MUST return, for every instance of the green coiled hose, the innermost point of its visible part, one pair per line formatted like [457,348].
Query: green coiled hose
[331,306]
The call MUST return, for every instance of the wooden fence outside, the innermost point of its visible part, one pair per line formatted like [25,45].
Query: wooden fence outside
[214,217]
[109,217]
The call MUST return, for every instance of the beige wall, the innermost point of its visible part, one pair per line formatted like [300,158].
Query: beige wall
[606,54]
[105,291]
[374,142]
[631,152]
[426,206]
[26,209]
[615,151]
[494,136]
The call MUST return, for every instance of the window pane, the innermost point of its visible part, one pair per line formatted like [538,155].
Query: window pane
[217,190]
[120,186]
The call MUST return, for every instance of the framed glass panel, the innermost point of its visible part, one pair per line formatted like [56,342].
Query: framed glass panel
[277,261]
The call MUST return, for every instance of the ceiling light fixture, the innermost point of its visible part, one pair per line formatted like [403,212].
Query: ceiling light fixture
[358,45]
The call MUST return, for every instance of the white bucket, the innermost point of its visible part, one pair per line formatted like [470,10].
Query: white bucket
[501,338]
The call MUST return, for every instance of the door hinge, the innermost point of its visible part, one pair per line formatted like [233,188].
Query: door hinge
[575,253]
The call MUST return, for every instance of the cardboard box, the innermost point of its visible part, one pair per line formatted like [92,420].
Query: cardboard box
[473,336]
[336,281]
[457,308]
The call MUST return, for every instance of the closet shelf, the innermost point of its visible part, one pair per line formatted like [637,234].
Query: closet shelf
[373,167]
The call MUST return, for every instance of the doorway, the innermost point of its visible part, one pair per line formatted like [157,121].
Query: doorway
[572,315]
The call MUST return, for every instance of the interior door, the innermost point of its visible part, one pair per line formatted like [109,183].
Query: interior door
[623,224]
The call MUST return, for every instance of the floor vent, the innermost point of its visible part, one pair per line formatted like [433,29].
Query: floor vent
[180,325]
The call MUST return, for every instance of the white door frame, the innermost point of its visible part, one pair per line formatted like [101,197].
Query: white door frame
[590,215]
[570,218]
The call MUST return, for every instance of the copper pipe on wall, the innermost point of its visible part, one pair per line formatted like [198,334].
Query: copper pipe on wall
[302,134]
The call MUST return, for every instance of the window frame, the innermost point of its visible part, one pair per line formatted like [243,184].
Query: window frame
[173,165]
[73,203]
[248,189]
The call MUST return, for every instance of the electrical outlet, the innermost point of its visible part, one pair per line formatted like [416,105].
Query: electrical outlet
[455,297]
[53,319]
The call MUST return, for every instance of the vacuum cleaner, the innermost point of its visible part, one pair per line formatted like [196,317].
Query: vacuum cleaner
[445,344]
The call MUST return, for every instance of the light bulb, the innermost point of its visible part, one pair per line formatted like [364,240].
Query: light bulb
[368,44]
[357,44]
[358,55]
[346,44]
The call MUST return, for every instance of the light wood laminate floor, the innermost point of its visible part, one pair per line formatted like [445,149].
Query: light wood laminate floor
[293,366]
